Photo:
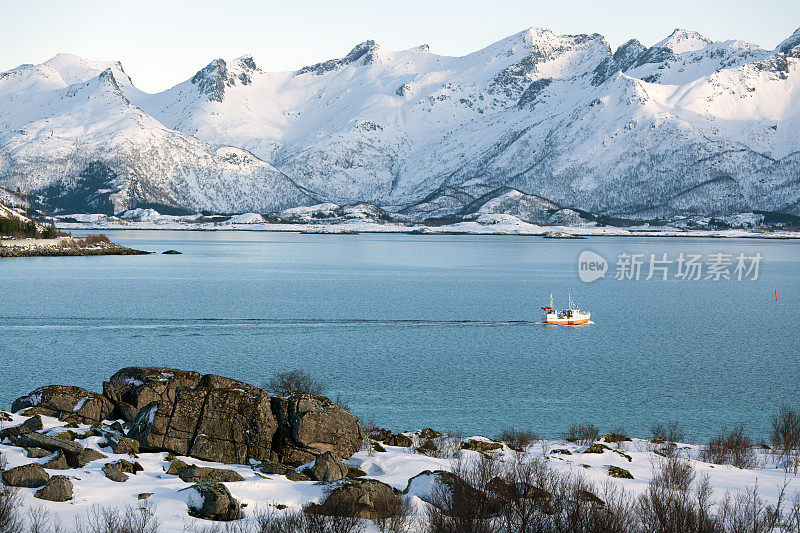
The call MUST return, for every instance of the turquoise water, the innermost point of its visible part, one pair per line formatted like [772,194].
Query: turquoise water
[417,331]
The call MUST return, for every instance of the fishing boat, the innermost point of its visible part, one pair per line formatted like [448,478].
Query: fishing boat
[571,316]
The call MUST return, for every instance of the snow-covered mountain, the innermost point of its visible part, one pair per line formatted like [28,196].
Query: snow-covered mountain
[534,125]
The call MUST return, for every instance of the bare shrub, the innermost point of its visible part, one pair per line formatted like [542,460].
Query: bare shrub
[734,448]
[286,383]
[93,240]
[670,432]
[518,439]
[786,437]
[313,522]
[670,505]
[674,473]
[397,515]
[585,433]
[40,520]
[141,519]
[748,513]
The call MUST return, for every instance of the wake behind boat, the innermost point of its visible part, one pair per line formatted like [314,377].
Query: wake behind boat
[571,316]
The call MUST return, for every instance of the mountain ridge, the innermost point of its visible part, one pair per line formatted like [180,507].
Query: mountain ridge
[686,126]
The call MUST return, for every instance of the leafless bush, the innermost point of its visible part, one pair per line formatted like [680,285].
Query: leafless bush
[286,383]
[141,519]
[670,432]
[673,473]
[518,439]
[734,448]
[397,513]
[747,512]
[667,509]
[786,437]
[40,520]
[313,522]
[582,433]
[92,240]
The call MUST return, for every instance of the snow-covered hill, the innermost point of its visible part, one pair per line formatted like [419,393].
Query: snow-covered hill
[532,125]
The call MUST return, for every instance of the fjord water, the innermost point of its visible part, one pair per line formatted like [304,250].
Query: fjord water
[421,330]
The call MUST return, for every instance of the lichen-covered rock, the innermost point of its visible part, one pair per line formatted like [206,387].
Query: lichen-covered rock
[194,474]
[67,403]
[224,420]
[317,425]
[367,499]
[481,445]
[114,475]
[615,471]
[59,462]
[327,468]
[175,466]
[213,501]
[31,475]
[125,466]
[227,425]
[36,453]
[596,448]
[140,386]
[69,448]
[86,456]
[57,489]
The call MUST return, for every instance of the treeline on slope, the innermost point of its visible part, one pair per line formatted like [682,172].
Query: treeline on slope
[28,228]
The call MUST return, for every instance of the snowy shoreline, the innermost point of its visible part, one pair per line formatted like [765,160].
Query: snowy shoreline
[502,227]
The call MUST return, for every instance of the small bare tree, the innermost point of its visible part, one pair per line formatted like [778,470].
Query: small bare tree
[286,383]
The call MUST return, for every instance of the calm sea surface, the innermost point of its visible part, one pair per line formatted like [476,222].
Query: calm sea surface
[421,331]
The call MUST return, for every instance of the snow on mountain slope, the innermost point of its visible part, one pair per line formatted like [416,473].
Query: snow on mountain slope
[85,145]
[684,126]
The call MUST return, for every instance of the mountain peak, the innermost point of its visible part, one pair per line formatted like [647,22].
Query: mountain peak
[680,41]
[786,46]
[364,52]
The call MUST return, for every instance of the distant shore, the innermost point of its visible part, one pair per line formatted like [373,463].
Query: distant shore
[461,228]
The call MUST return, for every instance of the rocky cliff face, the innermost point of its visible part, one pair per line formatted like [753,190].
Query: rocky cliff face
[684,126]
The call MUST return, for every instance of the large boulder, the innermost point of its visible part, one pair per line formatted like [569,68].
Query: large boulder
[219,420]
[31,475]
[66,402]
[368,499]
[315,425]
[213,501]
[224,420]
[57,489]
[327,468]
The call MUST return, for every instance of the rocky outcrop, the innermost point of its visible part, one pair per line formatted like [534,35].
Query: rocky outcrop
[217,420]
[31,475]
[327,468]
[224,420]
[207,417]
[57,489]
[67,403]
[213,501]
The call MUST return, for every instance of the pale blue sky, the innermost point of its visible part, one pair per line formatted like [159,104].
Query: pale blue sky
[163,43]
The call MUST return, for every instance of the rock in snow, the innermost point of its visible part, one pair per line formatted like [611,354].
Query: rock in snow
[687,126]
[207,417]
